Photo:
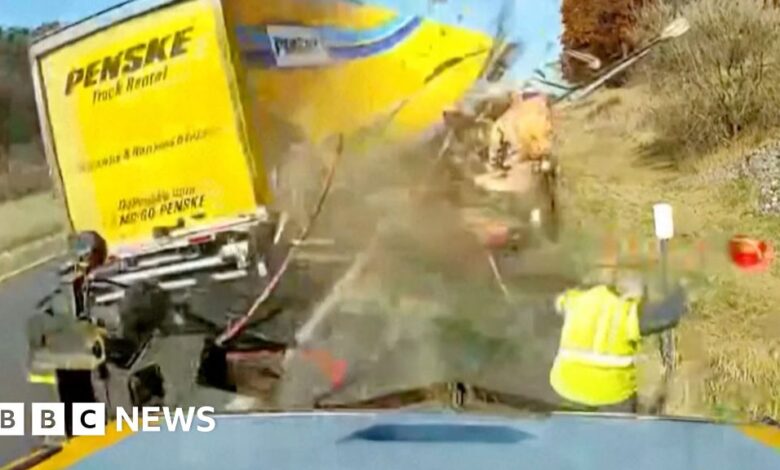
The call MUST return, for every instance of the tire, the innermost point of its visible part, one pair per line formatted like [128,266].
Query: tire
[144,308]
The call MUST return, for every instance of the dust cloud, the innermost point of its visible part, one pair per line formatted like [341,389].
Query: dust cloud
[417,304]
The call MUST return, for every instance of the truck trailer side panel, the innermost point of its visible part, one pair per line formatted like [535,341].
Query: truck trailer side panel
[146,124]
[313,69]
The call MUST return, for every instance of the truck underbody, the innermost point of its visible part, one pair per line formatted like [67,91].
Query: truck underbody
[132,331]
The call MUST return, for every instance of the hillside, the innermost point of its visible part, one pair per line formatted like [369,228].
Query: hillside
[728,344]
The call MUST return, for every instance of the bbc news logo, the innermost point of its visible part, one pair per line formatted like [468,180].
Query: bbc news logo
[89,419]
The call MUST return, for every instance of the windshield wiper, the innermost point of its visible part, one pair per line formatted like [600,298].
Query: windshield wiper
[511,400]
[456,395]
[393,400]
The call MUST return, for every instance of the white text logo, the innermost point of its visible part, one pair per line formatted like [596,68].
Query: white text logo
[89,419]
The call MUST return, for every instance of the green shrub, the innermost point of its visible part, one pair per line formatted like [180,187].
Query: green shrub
[720,80]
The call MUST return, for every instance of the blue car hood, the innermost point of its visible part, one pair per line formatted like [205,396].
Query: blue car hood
[454,441]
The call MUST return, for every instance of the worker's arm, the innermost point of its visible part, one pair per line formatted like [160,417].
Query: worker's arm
[564,299]
[664,314]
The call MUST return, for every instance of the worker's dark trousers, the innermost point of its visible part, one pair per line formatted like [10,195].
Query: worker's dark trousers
[628,406]
[631,405]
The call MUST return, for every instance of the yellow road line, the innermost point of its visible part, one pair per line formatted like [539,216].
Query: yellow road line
[80,448]
[767,435]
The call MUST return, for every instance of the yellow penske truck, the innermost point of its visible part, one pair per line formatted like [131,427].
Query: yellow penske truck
[158,118]
[145,135]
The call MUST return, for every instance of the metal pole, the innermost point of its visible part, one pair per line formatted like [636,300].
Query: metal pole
[668,353]
[664,231]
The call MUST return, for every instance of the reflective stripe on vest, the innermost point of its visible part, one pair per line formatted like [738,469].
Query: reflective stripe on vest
[596,359]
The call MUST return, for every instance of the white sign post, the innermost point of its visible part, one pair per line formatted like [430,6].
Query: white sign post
[664,221]
[664,231]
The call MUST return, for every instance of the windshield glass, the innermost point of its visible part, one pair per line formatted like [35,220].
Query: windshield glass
[423,304]
[421,307]
[542,205]
[437,260]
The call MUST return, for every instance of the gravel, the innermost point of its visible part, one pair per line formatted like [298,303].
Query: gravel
[762,166]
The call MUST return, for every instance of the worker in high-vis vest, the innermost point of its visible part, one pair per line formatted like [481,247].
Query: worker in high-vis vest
[595,365]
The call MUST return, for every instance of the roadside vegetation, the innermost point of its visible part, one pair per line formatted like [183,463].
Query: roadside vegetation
[719,82]
[22,165]
[28,211]
[679,130]
[604,28]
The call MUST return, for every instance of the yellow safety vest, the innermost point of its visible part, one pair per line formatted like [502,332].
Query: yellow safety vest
[595,365]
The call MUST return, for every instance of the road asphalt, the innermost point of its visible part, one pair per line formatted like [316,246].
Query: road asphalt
[18,297]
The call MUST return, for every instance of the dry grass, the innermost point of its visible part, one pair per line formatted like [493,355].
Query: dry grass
[730,342]
[28,211]
[28,219]
[719,81]
[739,324]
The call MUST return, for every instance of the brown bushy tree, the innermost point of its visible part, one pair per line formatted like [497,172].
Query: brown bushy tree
[601,27]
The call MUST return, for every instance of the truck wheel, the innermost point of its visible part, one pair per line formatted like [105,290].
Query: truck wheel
[143,309]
